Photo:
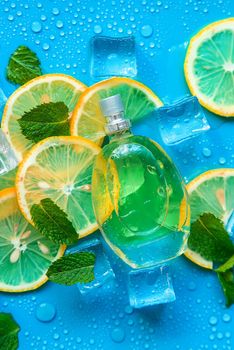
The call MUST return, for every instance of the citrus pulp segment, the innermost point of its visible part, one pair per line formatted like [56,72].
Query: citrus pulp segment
[44,89]
[88,120]
[211,192]
[25,254]
[209,67]
[60,168]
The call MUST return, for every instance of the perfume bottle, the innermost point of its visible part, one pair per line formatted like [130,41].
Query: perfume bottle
[139,198]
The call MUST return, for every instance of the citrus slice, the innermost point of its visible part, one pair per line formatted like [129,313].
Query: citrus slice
[60,168]
[211,192]
[88,120]
[44,89]
[7,180]
[209,67]
[25,255]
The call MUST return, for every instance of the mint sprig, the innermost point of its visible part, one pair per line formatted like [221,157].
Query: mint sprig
[23,66]
[73,268]
[45,120]
[209,238]
[53,223]
[9,330]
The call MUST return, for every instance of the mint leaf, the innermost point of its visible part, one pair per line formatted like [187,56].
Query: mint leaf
[209,238]
[227,266]
[73,268]
[45,120]
[53,223]
[23,66]
[9,330]
[227,282]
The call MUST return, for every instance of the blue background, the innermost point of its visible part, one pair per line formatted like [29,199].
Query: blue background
[197,319]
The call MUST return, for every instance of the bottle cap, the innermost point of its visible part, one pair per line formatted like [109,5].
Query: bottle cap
[112,105]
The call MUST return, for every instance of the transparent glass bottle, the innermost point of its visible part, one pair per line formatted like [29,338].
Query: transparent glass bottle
[139,198]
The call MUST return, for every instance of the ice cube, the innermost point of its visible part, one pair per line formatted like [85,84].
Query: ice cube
[3,100]
[102,270]
[182,120]
[150,286]
[8,160]
[112,56]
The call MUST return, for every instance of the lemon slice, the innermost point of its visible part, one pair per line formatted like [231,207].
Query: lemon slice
[60,168]
[209,67]
[44,89]
[25,255]
[211,192]
[87,119]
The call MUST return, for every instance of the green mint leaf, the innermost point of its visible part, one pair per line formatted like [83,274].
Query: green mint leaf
[227,282]
[45,120]
[209,238]
[227,266]
[73,268]
[23,66]
[53,223]
[9,330]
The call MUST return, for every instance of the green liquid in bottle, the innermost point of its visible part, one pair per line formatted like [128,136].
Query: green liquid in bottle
[140,201]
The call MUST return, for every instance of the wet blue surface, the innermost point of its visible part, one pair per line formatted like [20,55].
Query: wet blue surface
[59,31]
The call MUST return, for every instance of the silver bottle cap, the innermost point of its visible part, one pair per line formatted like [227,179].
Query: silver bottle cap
[113,109]
[112,105]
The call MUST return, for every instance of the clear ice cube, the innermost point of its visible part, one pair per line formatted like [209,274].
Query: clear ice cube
[182,120]
[151,286]
[8,160]
[111,56]
[102,270]
[3,100]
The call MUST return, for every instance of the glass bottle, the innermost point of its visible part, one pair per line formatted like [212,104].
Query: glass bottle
[139,197]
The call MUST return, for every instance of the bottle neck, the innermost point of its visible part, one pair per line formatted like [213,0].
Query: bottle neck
[117,124]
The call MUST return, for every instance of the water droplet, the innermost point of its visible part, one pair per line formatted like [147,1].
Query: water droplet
[146,31]
[36,27]
[56,336]
[55,11]
[46,46]
[45,312]
[117,335]
[222,160]
[97,29]
[206,152]
[128,309]
[10,18]
[226,318]
[220,335]
[213,320]
[192,286]
[59,24]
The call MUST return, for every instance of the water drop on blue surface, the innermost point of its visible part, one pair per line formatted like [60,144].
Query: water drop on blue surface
[226,318]
[213,320]
[192,286]
[59,24]
[97,29]
[36,27]
[45,312]
[46,46]
[117,335]
[10,18]
[56,336]
[206,152]
[146,31]
[128,309]
[222,160]
[55,11]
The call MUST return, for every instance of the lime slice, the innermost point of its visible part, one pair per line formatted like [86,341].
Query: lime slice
[88,120]
[211,192]
[60,168]
[209,67]
[25,254]
[7,180]
[44,89]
